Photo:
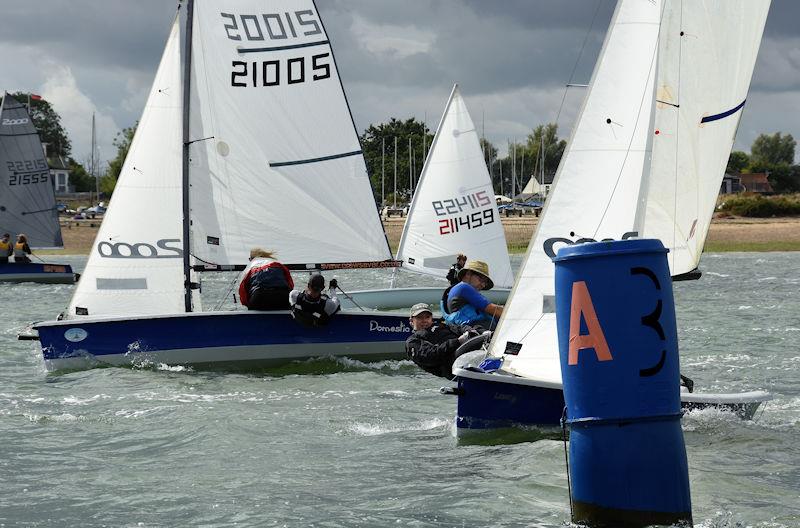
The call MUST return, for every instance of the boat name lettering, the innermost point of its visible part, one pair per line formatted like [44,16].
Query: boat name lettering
[20,121]
[549,244]
[461,203]
[140,249]
[258,28]
[275,72]
[474,220]
[375,326]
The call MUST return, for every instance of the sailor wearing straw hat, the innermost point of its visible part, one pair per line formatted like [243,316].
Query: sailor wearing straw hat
[465,305]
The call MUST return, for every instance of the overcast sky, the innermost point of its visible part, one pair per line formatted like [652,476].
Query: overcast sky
[512,59]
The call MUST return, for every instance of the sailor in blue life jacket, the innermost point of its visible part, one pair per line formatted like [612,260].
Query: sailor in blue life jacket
[452,274]
[265,283]
[22,250]
[312,307]
[465,305]
[5,248]
[434,347]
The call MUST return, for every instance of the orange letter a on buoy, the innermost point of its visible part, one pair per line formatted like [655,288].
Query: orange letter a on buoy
[582,304]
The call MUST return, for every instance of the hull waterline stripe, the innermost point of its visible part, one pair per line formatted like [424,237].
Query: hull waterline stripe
[723,115]
[315,160]
[281,48]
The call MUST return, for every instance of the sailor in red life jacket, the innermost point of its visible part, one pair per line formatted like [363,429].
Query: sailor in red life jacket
[265,283]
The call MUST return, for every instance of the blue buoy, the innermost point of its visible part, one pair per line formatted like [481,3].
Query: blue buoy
[619,362]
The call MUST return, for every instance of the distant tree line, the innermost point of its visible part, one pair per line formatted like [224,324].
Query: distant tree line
[395,153]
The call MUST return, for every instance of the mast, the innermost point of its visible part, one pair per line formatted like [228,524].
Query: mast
[395,172]
[94,162]
[383,170]
[187,72]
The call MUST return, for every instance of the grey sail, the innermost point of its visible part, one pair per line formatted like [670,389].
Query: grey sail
[27,193]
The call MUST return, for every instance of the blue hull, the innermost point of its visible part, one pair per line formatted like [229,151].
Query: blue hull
[497,401]
[227,340]
[486,404]
[37,272]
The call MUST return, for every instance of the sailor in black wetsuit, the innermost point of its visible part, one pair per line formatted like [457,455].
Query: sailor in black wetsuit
[312,307]
[434,347]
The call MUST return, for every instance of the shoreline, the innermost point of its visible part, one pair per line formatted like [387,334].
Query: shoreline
[725,234]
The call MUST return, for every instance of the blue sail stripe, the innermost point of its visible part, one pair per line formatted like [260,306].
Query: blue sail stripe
[315,160]
[723,115]
[281,48]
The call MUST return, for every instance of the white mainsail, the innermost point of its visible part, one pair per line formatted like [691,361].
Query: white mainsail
[706,58]
[596,187]
[136,263]
[275,158]
[454,210]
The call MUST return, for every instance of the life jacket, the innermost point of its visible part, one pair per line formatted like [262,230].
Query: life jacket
[443,302]
[311,312]
[264,277]
[19,250]
[469,315]
[5,249]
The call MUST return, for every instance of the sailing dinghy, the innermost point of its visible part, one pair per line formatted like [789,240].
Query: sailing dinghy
[27,197]
[644,158]
[257,148]
[453,211]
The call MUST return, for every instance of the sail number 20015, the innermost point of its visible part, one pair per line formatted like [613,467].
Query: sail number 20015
[276,31]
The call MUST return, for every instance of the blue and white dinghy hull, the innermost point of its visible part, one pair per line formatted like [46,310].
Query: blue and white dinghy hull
[500,401]
[218,340]
[37,272]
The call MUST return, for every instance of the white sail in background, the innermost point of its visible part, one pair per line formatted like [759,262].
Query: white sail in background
[454,210]
[275,158]
[596,187]
[136,263]
[707,54]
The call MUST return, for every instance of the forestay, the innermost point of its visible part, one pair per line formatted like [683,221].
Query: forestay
[27,194]
[707,53]
[275,158]
[136,264]
[595,189]
[454,210]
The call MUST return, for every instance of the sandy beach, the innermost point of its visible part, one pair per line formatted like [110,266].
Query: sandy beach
[726,234]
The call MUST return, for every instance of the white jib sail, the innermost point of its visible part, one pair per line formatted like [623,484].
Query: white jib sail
[136,263]
[275,160]
[596,187]
[707,54]
[454,210]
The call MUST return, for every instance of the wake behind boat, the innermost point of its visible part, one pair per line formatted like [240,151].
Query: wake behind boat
[27,199]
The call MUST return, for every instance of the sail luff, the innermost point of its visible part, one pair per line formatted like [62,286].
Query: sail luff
[423,175]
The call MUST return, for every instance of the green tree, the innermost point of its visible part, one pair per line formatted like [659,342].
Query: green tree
[79,177]
[378,143]
[775,149]
[737,162]
[528,158]
[123,143]
[48,123]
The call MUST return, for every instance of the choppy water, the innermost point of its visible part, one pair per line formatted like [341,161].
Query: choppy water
[374,445]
